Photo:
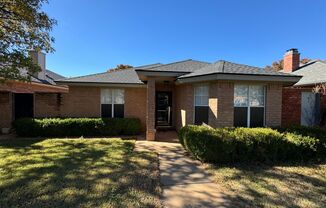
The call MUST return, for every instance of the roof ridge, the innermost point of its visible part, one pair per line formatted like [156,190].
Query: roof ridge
[48,70]
[244,65]
[308,64]
[148,65]
[176,62]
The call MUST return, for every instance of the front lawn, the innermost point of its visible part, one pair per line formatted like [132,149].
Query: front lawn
[279,186]
[77,173]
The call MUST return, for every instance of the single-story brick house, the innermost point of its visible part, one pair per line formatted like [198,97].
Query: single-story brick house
[300,104]
[173,95]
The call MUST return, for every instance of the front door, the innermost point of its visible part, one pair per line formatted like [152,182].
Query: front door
[163,108]
[308,109]
[24,105]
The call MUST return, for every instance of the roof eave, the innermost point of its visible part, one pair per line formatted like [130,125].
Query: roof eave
[144,74]
[101,84]
[309,84]
[31,87]
[240,77]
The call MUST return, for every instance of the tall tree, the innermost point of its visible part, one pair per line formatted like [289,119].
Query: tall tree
[278,65]
[23,27]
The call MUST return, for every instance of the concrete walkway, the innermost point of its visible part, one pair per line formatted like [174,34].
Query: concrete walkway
[185,183]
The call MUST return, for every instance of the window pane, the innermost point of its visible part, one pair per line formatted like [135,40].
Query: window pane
[257,101]
[201,90]
[240,116]
[256,95]
[201,115]
[119,97]
[106,110]
[201,95]
[204,100]
[240,101]
[241,90]
[118,111]
[240,95]
[256,116]
[197,100]
[106,96]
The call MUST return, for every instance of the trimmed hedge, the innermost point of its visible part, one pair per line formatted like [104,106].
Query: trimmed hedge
[56,127]
[228,145]
[315,132]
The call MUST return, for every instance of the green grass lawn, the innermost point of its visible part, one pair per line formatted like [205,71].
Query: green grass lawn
[77,173]
[278,186]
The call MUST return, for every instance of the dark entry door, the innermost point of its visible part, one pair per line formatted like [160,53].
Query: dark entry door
[24,105]
[163,108]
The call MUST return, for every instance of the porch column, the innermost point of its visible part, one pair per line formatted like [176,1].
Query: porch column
[5,112]
[150,113]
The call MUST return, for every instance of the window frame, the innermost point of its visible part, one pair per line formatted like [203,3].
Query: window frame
[113,99]
[248,105]
[194,102]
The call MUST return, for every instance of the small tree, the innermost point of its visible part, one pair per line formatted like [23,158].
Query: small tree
[121,67]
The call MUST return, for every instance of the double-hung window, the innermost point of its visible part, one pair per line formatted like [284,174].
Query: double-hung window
[201,104]
[112,103]
[249,105]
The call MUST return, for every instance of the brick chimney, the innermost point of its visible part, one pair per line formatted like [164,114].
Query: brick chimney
[291,60]
[39,58]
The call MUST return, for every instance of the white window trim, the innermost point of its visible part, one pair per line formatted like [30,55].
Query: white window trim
[248,103]
[112,100]
[201,85]
[194,102]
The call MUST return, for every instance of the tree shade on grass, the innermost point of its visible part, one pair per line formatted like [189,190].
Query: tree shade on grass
[77,173]
[288,185]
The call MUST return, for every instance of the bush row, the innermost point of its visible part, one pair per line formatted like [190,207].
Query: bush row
[56,127]
[228,145]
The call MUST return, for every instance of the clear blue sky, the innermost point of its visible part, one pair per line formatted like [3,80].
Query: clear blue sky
[92,36]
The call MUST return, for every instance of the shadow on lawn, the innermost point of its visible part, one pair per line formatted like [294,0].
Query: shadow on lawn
[18,143]
[286,185]
[73,174]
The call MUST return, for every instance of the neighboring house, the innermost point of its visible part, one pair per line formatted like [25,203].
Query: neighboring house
[27,99]
[172,95]
[300,104]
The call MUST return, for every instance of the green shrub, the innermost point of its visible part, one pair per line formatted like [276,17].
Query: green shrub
[56,127]
[226,145]
[314,133]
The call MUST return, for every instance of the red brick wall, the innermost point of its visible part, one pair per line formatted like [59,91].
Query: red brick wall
[86,102]
[221,113]
[291,106]
[135,104]
[225,103]
[46,105]
[81,102]
[184,105]
[273,105]
[5,110]
[221,107]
